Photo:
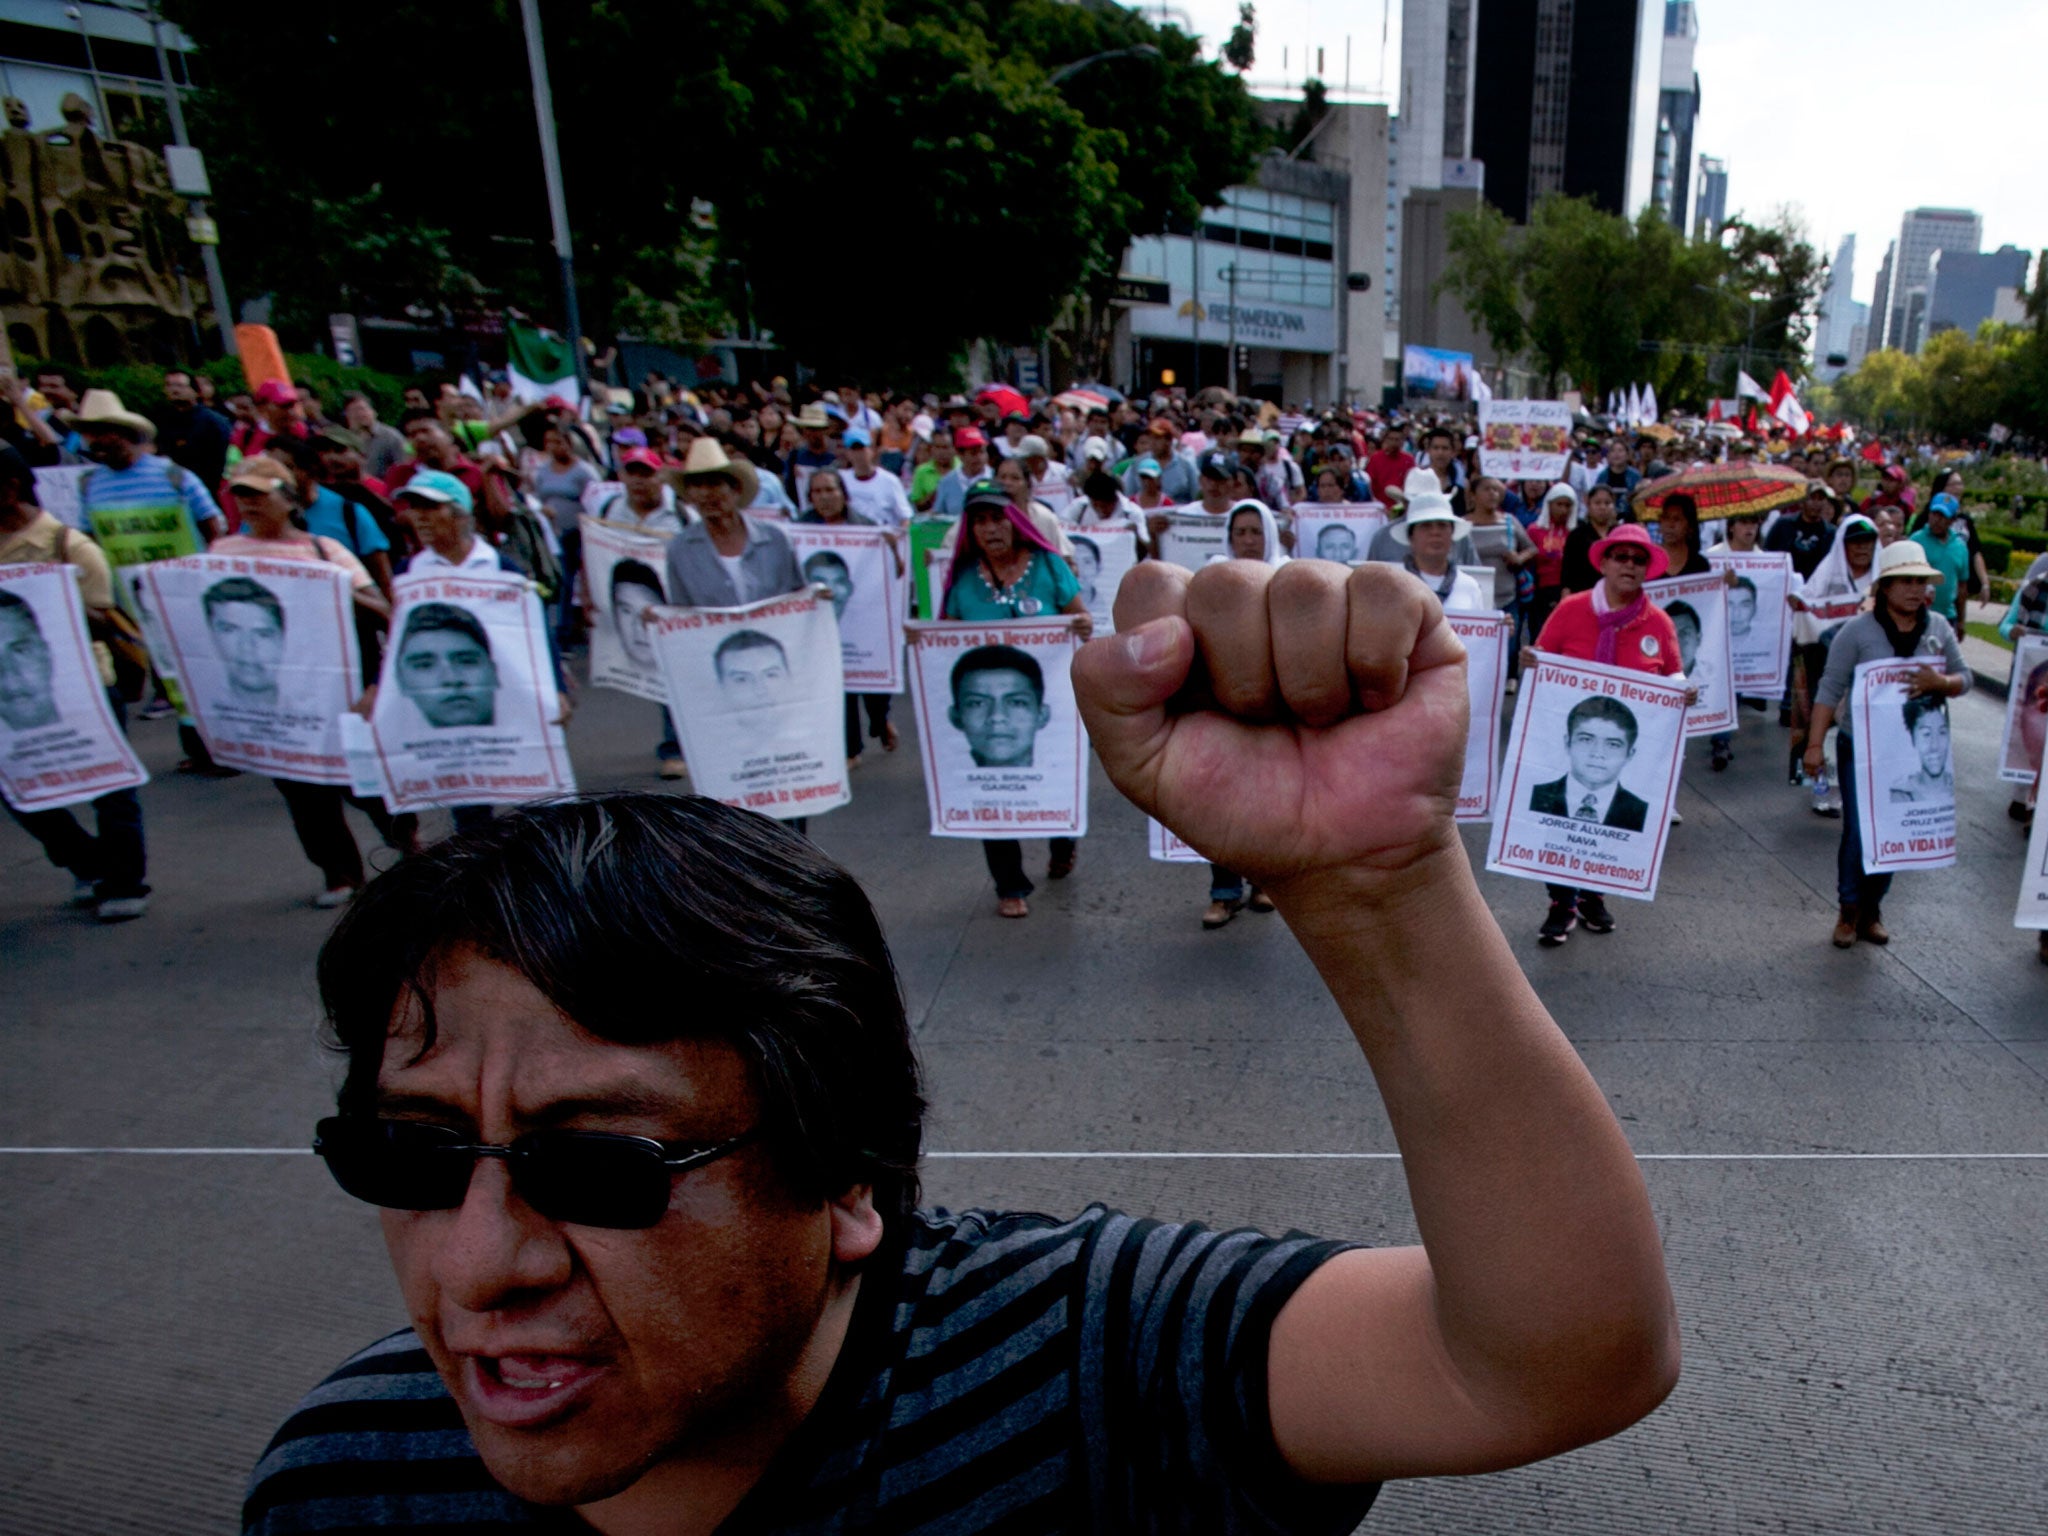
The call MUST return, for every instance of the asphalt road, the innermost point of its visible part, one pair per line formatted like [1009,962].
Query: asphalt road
[1829,1139]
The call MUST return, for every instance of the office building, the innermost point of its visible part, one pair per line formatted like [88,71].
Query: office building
[1859,335]
[1922,232]
[1565,99]
[1837,315]
[1713,200]
[1678,112]
[102,53]
[1881,299]
[1431,139]
[1962,287]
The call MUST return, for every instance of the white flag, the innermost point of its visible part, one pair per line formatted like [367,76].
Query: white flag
[1746,386]
[1793,414]
[1480,389]
[1649,403]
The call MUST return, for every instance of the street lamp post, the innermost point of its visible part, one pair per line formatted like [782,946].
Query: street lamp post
[558,203]
[1230,277]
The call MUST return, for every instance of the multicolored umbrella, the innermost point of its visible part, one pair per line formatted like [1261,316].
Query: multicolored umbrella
[1726,490]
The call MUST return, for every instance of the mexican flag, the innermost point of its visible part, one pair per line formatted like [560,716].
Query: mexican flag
[540,364]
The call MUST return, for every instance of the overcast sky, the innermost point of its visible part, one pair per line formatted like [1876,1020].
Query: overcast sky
[1849,111]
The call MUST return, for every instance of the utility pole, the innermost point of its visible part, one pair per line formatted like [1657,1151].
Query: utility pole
[558,204]
[1230,276]
[209,253]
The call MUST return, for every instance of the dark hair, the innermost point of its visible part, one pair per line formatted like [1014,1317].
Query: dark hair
[1744,584]
[636,573]
[1101,486]
[240,589]
[1439,432]
[999,658]
[745,640]
[826,557]
[9,601]
[73,380]
[416,413]
[1688,611]
[428,617]
[602,902]
[1230,525]
[16,472]
[1940,482]
[1922,705]
[1600,707]
[182,373]
[1093,548]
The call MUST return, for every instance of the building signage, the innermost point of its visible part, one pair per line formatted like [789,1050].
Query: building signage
[1141,290]
[1289,327]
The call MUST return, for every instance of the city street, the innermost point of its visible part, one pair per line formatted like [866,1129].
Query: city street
[1848,1151]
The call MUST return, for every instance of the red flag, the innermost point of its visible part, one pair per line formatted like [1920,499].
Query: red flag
[1714,410]
[1749,425]
[1873,453]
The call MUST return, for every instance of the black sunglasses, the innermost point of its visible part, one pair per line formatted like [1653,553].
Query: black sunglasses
[1629,556]
[584,1178]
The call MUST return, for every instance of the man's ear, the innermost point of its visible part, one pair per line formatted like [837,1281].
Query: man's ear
[856,1224]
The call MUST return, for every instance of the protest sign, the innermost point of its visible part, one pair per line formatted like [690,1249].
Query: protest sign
[1103,554]
[1338,530]
[1436,373]
[57,493]
[1004,753]
[1057,495]
[266,656]
[1759,622]
[1525,439]
[1905,782]
[1486,641]
[759,701]
[1591,771]
[864,570]
[938,565]
[598,493]
[2033,907]
[926,535]
[1166,847]
[467,712]
[137,535]
[59,743]
[1193,539]
[624,574]
[1698,609]
[2026,712]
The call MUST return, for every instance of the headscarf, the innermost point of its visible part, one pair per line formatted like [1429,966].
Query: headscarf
[1268,526]
[1019,520]
[1832,579]
[1569,491]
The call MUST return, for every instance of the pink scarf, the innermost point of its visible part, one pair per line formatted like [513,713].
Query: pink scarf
[1612,622]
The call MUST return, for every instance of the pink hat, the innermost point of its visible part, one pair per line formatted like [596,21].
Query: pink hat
[1633,533]
[275,392]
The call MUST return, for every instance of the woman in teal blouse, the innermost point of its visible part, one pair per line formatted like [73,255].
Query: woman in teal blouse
[1003,568]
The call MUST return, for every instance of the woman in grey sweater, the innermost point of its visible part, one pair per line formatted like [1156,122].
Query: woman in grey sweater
[1899,624]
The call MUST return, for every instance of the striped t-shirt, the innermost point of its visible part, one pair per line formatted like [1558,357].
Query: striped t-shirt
[1002,1372]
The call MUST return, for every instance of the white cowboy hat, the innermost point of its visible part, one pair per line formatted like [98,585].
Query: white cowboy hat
[103,408]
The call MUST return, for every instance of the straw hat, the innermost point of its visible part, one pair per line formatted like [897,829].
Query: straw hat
[708,458]
[103,408]
[812,418]
[1905,559]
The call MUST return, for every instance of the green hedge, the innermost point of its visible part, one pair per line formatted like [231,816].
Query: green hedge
[2023,538]
[141,385]
[1997,552]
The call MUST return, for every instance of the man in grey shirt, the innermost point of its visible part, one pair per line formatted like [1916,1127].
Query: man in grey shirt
[1901,624]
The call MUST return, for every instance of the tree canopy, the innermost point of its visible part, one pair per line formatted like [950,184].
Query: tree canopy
[386,159]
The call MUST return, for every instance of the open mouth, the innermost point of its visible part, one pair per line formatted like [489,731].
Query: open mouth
[524,1391]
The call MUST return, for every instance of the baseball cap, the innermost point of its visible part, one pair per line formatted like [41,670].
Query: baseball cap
[970,437]
[646,456]
[275,392]
[1034,447]
[984,492]
[337,437]
[1217,466]
[1944,505]
[1095,448]
[857,437]
[439,486]
[1148,468]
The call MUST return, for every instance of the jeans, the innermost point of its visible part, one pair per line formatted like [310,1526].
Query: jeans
[323,831]
[1567,895]
[572,565]
[877,706]
[668,749]
[1225,884]
[1853,887]
[1005,857]
[115,861]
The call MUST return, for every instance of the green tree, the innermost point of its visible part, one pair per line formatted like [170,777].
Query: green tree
[1240,49]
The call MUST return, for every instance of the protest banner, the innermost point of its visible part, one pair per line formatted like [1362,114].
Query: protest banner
[57,493]
[1486,641]
[624,575]
[2033,908]
[2026,712]
[136,536]
[1436,373]
[598,493]
[1166,847]
[1193,539]
[926,535]
[1592,769]
[1905,781]
[59,743]
[938,564]
[467,712]
[1698,609]
[1058,496]
[1103,554]
[1759,621]
[266,657]
[1338,530]
[863,568]
[1001,739]
[1525,439]
[759,702]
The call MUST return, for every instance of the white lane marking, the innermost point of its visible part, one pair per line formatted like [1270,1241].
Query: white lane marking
[1140,1157]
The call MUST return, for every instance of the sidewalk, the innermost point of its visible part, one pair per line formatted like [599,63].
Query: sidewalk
[1990,665]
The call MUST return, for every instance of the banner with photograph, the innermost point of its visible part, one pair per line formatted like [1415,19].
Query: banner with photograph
[1436,373]
[1486,639]
[927,534]
[597,494]
[864,570]
[59,743]
[57,493]
[1103,554]
[1166,847]
[624,574]
[2033,908]
[1759,622]
[758,695]
[1591,772]
[267,659]
[1525,439]
[1193,539]
[1339,530]
[1003,748]
[1698,609]
[1905,778]
[467,712]
[2026,711]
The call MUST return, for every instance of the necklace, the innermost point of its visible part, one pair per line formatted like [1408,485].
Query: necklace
[1007,593]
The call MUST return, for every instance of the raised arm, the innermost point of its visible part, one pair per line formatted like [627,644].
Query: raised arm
[1535,1316]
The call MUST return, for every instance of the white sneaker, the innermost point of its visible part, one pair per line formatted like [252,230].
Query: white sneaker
[337,896]
[121,909]
[1677,818]
[85,893]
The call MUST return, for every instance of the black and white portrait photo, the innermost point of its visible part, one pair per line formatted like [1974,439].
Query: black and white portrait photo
[445,666]
[999,705]
[27,700]
[245,621]
[59,744]
[1932,779]
[622,573]
[1599,742]
[635,588]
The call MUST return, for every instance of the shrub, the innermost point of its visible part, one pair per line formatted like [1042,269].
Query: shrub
[2026,539]
[141,385]
[1997,552]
